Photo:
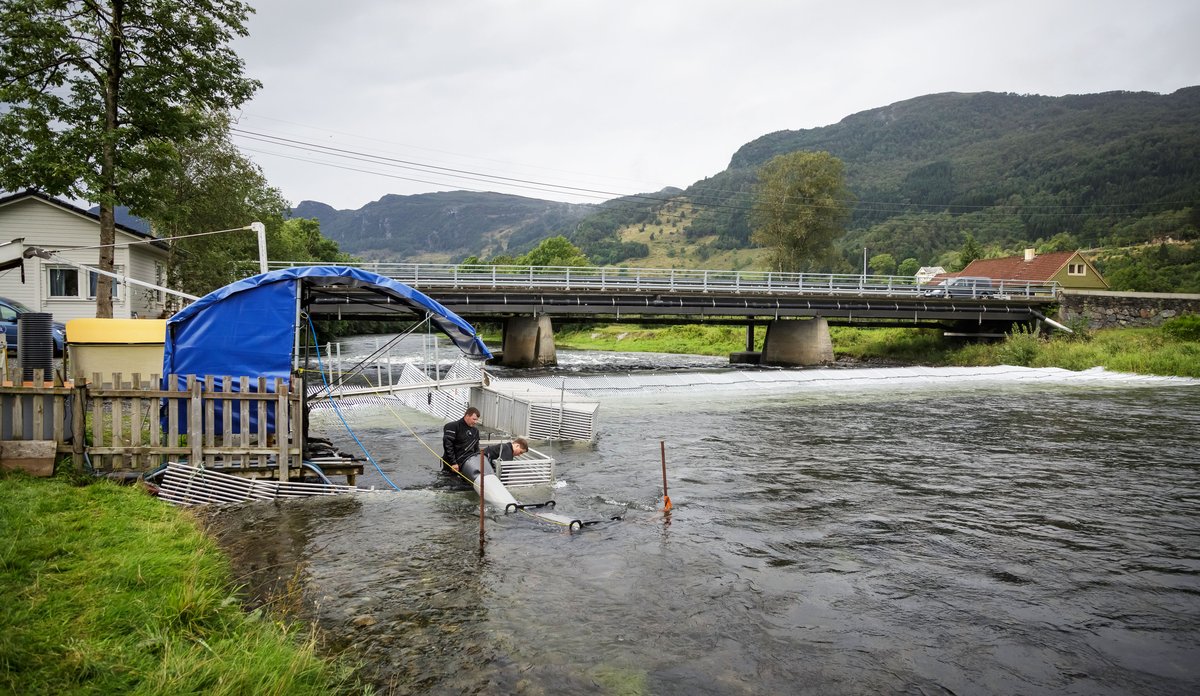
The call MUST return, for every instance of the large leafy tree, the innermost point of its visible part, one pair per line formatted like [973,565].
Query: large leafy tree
[801,205]
[94,93]
[555,251]
[210,186]
[883,264]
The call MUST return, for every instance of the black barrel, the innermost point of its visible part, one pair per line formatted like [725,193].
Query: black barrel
[35,344]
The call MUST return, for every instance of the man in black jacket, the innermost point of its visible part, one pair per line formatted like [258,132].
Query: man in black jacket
[460,441]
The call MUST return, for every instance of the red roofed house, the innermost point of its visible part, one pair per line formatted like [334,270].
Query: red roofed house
[1068,268]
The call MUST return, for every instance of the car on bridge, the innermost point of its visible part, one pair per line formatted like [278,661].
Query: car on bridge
[964,287]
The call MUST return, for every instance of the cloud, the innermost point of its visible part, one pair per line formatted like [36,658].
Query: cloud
[620,96]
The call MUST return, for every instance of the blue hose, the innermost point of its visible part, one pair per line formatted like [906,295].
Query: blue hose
[338,411]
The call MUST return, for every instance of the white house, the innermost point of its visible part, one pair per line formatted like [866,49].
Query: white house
[72,234]
[928,273]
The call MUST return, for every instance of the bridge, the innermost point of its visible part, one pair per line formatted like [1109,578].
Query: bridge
[529,299]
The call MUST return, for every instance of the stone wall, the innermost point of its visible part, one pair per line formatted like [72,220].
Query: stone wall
[1103,309]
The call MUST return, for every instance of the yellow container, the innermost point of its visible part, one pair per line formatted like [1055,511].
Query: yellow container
[107,346]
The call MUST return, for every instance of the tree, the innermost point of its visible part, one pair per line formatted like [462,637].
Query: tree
[969,252]
[555,251]
[908,267]
[800,206]
[882,264]
[96,92]
[211,186]
[300,240]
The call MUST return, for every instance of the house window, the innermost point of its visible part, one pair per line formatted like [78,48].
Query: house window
[64,282]
[1076,269]
[93,278]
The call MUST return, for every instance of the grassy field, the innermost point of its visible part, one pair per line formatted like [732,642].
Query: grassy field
[670,247]
[110,591]
[1173,350]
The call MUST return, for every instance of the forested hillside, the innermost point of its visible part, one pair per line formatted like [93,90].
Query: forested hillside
[442,226]
[1008,169]
[1118,170]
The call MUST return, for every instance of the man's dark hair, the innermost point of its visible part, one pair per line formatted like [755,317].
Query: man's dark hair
[472,411]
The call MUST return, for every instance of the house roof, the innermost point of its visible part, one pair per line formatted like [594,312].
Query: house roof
[31,193]
[1043,267]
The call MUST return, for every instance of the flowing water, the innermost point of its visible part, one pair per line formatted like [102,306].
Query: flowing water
[932,535]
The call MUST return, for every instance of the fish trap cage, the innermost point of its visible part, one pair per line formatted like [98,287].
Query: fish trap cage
[530,469]
[536,411]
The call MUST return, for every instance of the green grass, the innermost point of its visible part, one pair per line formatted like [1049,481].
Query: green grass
[693,339]
[1171,350]
[1139,351]
[108,590]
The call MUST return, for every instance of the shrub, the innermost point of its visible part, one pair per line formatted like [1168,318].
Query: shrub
[1184,328]
[1020,348]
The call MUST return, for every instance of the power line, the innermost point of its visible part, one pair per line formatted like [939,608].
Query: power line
[714,199]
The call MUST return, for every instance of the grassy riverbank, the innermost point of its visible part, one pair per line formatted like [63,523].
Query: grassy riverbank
[1172,350]
[108,590]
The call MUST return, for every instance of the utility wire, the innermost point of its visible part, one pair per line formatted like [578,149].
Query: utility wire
[713,198]
[151,241]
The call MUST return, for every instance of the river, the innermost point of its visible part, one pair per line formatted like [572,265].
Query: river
[936,532]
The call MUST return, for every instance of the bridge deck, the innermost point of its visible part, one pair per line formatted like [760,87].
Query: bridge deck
[627,294]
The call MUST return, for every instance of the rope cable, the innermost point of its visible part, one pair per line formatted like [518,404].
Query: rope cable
[413,432]
[386,403]
[337,409]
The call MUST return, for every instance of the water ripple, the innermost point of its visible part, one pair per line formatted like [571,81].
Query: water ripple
[1031,538]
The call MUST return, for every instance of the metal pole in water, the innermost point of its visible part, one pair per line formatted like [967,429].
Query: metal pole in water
[666,498]
[481,500]
[562,395]
[378,367]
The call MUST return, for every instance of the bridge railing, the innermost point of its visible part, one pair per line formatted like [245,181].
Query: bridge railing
[615,278]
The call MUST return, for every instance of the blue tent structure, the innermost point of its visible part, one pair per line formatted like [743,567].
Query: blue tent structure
[253,327]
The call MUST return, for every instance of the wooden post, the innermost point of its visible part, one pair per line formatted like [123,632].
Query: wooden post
[78,423]
[196,422]
[285,426]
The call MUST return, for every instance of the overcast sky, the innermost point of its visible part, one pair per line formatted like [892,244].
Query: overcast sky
[584,100]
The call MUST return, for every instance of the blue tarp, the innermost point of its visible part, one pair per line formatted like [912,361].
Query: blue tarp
[248,328]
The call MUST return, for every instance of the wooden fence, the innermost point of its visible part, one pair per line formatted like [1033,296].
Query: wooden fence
[116,424]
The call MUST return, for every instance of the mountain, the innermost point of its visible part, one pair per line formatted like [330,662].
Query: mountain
[1060,165]
[1009,170]
[443,226]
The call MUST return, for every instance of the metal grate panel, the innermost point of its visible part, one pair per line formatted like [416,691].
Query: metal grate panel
[188,485]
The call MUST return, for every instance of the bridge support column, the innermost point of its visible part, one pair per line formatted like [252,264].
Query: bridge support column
[798,343]
[748,356]
[528,342]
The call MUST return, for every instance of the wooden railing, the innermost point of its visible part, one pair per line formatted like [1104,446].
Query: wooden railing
[114,424]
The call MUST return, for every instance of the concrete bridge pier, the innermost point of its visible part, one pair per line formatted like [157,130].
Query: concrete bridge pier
[528,342]
[748,356]
[798,342]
